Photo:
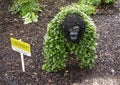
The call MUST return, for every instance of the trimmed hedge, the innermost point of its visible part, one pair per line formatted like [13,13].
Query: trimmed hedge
[56,46]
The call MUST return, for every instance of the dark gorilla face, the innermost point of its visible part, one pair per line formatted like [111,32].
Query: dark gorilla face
[73,27]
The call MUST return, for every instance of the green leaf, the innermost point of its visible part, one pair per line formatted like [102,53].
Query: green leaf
[34,17]
[26,16]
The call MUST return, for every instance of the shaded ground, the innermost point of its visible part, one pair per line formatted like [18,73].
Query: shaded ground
[107,66]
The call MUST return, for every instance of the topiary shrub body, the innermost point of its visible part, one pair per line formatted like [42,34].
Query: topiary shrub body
[56,47]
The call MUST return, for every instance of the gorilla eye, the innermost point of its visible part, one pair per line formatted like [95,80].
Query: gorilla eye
[70,29]
[76,28]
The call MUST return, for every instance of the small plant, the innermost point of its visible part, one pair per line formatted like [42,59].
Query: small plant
[55,45]
[27,9]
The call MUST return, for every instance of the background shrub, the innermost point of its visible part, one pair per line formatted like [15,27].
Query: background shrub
[103,2]
[86,8]
[89,6]
[96,2]
[90,2]
[55,45]
[27,9]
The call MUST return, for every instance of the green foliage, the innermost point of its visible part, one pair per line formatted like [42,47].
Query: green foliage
[90,2]
[89,6]
[108,1]
[55,45]
[27,9]
[88,9]
[96,2]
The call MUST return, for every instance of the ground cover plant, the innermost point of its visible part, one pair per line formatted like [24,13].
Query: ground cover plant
[27,9]
[56,47]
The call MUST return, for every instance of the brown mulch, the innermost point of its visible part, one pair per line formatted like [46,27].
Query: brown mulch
[107,64]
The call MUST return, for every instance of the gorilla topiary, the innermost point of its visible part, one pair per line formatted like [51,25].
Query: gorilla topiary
[55,44]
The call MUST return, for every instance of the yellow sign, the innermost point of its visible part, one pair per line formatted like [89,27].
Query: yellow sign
[20,46]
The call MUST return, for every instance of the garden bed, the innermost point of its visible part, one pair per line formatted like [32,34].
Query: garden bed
[107,65]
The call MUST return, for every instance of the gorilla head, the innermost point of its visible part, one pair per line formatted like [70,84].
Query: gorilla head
[73,27]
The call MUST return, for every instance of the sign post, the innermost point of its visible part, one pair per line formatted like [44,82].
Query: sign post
[22,60]
[22,47]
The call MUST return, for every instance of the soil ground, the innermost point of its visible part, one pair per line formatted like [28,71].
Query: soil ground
[107,65]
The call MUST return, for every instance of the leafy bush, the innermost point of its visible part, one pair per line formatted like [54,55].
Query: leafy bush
[108,1]
[55,45]
[89,6]
[90,2]
[27,9]
[88,9]
[96,2]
